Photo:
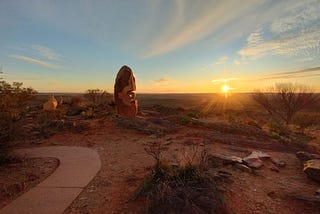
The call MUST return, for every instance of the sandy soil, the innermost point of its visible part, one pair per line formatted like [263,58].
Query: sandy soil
[20,175]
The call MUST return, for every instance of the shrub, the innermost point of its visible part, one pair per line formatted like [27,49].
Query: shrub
[77,101]
[51,122]
[13,105]
[193,114]
[180,188]
[305,120]
[98,97]
[285,100]
[276,129]
[89,113]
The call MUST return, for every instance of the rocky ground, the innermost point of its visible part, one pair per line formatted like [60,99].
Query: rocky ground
[121,142]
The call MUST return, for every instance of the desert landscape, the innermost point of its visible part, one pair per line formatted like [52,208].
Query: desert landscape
[159,107]
[208,133]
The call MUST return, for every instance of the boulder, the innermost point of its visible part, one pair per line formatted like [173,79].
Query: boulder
[312,169]
[305,156]
[124,95]
[51,104]
[254,160]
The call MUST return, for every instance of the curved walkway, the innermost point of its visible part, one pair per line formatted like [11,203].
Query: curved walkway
[78,166]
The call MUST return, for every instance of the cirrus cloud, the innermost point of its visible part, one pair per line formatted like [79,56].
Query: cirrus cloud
[295,33]
[33,61]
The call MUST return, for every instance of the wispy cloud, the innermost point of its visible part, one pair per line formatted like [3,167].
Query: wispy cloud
[255,38]
[221,60]
[304,44]
[198,22]
[36,54]
[224,80]
[161,81]
[33,61]
[37,51]
[310,72]
[296,33]
[236,62]
[298,16]
[45,52]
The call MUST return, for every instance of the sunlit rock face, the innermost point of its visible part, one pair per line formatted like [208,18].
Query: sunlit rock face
[124,95]
[51,104]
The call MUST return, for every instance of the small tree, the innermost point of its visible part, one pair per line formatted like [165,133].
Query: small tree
[284,100]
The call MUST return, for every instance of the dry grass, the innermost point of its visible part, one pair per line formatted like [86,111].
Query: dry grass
[182,188]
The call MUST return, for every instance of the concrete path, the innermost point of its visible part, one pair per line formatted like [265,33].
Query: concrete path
[78,166]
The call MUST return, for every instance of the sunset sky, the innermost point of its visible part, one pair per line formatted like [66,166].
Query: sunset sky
[171,45]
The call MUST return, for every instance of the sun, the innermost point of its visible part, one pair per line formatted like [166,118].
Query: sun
[225,88]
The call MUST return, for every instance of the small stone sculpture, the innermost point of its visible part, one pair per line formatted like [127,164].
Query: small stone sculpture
[124,95]
[51,104]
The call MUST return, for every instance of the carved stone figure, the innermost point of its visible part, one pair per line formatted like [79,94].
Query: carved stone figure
[124,95]
[51,104]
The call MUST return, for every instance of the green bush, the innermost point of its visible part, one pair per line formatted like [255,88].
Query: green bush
[13,105]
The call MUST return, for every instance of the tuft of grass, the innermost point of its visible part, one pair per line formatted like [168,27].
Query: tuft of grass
[182,188]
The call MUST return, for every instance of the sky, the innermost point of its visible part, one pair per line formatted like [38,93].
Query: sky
[172,46]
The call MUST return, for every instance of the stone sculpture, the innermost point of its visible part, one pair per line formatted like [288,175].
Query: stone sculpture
[124,95]
[51,104]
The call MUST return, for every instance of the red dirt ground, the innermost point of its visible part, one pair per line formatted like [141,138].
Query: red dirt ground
[125,163]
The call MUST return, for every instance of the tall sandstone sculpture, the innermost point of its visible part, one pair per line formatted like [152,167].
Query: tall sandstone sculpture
[124,95]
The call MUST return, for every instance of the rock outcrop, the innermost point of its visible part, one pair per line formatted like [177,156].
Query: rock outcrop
[312,169]
[254,160]
[305,156]
[124,95]
[51,104]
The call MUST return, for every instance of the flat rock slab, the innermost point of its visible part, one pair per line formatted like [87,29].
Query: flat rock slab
[227,159]
[78,166]
[312,169]
[305,156]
